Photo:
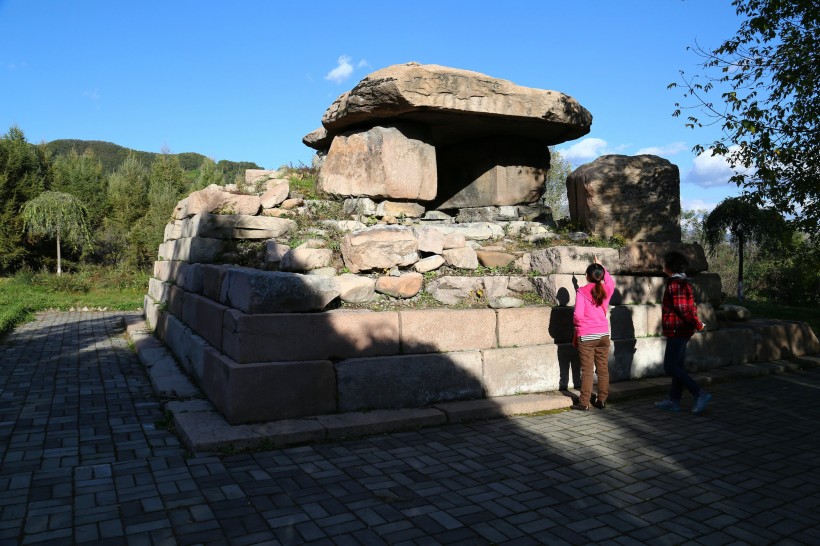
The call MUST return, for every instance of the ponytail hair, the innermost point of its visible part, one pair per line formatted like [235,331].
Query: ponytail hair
[595,273]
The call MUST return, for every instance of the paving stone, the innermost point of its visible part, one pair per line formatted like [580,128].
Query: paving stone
[79,440]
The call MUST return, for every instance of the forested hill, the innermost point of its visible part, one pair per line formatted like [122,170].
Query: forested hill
[112,155]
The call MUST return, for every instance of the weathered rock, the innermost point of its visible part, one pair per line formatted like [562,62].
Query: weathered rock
[635,197]
[278,213]
[731,312]
[399,209]
[274,252]
[322,271]
[506,302]
[292,203]
[252,291]
[317,139]
[476,231]
[464,258]
[205,200]
[404,286]
[355,289]
[173,230]
[458,105]
[345,226]
[572,259]
[647,258]
[489,258]
[306,259]
[379,248]
[452,290]
[430,240]
[363,206]
[437,217]
[258,176]
[192,249]
[240,204]
[387,162]
[430,263]
[495,286]
[275,195]
[454,239]
[236,226]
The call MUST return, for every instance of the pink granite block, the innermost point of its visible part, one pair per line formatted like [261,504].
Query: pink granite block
[309,336]
[268,391]
[442,330]
[524,326]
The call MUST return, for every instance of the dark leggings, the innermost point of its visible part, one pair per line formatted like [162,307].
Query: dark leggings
[673,360]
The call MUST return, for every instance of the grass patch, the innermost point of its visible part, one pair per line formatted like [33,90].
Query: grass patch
[28,292]
[763,309]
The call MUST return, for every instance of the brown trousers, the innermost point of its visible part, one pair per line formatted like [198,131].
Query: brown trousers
[594,355]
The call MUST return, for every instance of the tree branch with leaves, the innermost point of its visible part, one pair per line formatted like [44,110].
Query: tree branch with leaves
[767,76]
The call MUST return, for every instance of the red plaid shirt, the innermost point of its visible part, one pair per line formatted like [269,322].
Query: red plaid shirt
[679,314]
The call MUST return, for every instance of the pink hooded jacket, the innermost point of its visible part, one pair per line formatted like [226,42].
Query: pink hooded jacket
[587,317]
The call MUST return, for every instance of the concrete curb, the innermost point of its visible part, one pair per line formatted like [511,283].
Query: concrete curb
[202,428]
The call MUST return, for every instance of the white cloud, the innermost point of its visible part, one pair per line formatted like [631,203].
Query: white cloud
[696,204]
[342,71]
[93,95]
[663,151]
[363,64]
[709,170]
[585,150]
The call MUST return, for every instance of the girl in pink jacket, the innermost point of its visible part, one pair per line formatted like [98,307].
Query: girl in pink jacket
[592,334]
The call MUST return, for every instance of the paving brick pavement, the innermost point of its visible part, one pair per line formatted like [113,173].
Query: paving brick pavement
[85,460]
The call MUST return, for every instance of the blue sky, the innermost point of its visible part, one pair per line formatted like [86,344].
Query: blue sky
[246,80]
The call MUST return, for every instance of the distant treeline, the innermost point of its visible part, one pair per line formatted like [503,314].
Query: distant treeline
[112,155]
[128,197]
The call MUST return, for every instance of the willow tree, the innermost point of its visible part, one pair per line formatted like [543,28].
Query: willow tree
[57,215]
[746,223]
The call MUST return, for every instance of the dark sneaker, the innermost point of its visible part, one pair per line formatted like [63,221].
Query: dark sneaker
[701,402]
[668,405]
[580,407]
[600,404]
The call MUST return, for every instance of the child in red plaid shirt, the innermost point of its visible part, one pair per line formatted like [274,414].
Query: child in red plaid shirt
[680,321]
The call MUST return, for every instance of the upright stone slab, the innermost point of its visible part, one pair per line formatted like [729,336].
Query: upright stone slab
[635,197]
[383,162]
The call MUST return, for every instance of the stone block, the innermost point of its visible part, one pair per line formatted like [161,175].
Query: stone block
[707,288]
[654,323]
[647,258]
[236,226]
[369,423]
[521,370]
[248,393]
[708,350]
[387,162]
[190,310]
[491,171]
[408,381]
[432,330]
[150,310]
[158,290]
[309,336]
[627,321]
[379,248]
[212,278]
[503,406]
[252,291]
[524,326]
[635,197]
[572,260]
[175,298]
[189,277]
[776,340]
[188,347]
[636,358]
[192,249]
[208,320]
